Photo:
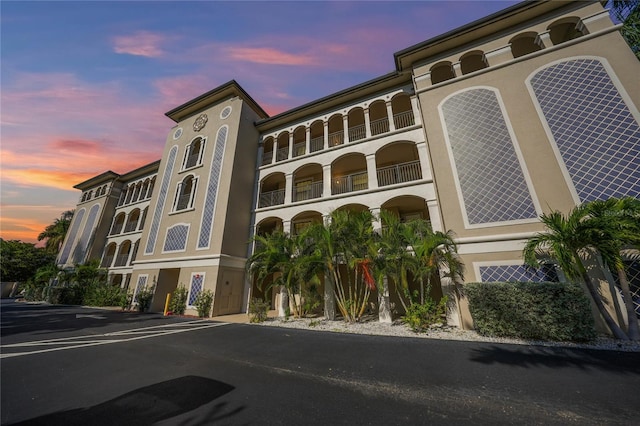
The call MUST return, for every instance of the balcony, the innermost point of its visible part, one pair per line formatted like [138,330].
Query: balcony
[106,261]
[316,144]
[183,202]
[307,191]
[122,259]
[299,149]
[117,228]
[403,119]
[357,132]
[349,183]
[271,198]
[282,153]
[336,138]
[399,173]
[267,156]
[131,226]
[192,160]
[379,126]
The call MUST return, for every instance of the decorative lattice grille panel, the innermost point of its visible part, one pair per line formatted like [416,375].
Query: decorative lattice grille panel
[71,238]
[632,270]
[595,132]
[212,189]
[491,180]
[80,251]
[516,273]
[197,282]
[162,197]
[176,238]
[142,282]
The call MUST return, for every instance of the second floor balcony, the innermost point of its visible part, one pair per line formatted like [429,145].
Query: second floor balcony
[399,173]
[271,198]
[349,183]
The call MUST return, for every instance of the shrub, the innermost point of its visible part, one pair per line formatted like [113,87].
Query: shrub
[258,309]
[33,291]
[528,310]
[419,317]
[203,303]
[144,298]
[178,303]
[104,295]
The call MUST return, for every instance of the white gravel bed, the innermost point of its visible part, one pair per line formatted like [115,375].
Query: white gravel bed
[398,329]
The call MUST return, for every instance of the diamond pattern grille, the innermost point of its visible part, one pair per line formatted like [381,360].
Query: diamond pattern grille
[633,275]
[596,134]
[197,282]
[71,238]
[83,243]
[176,238]
[212,189]
[142,282]
[162,197]
[517,273]
[491,178]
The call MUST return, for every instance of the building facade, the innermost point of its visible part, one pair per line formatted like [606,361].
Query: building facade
[479,130]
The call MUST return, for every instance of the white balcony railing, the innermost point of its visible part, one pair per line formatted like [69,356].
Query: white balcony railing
[403,119]
[316,144]
[379,126]
[267,157]
[399,173]
[106,262]
[282,154]
[357,132]
[349,183]
[299,149]
[131,226]
[121,260]
[307,192]
[336,138]
[271,198]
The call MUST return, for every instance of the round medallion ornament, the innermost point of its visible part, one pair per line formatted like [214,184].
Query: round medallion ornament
[225,112]
[200,122]
[177,133]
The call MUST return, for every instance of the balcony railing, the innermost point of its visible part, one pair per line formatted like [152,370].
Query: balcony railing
[307,192]
[131,226]
[379,126]
[282,154]
[357,132]
[192,160]
[271,198]
[106,262]
[183,202]
[403,119]
[121,260]
[399,173]
[267,156]
[299,149]
[316,144]
[336,138]
[117,228]
[353,182]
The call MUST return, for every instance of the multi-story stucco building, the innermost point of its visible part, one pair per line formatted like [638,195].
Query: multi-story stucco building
[479,130]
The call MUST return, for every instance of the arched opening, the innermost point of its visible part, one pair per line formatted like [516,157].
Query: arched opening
[145,189]
[151,185]
[353,207]
[136,245]
[299,141]
[565,29]
[402,111]
[123,254]
[267,152]
[442,71]
[307,182]
[473,61]
[349,173]
[116,280]
[193,155]
[144,217]
[132,222]
[303,220]
[272,190]
[317,136]
[131,189]
[357,129]
[109,254]
[118,223]
[185,193]
[283,146]
[523,44]
[336,130]
[379,119]
[397,163]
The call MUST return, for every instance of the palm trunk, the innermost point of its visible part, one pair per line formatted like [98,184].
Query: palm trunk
[633,330]
[595,296]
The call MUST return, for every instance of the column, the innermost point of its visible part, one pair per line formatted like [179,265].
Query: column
[457,69]
[544,39]
[345,126]
[288,188]
[326,180]
[326,134]
[116,253]
[434,215]
[260,153]
[286,226]
[367,123]
[392,124]
[307,140]
[372,173]
[425,163]
[290,145]
[415,107]
[132,249]
[274,150]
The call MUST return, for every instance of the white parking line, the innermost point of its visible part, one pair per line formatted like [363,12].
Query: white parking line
[153,332]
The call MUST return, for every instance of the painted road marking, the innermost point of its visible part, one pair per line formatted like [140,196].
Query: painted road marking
[95,339]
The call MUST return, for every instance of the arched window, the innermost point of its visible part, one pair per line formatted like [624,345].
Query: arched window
[523,44]
[193,153]
[442,71]
[565,29]
[473,61]
[185,193]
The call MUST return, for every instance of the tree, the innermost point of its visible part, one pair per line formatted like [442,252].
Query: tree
[628,13]
[55,233]
[568,240]
[20,261]
[619,223]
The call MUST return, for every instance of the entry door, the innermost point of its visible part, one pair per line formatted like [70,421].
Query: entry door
[230,293]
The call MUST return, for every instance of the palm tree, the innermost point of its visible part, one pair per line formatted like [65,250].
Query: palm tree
[56,232]
[628,13]
[567,240]
[619,222]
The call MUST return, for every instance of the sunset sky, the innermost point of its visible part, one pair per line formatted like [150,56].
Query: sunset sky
[85,85]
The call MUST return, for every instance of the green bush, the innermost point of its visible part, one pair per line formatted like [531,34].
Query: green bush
[203,303]
[419,317]
[33,291]
[144,298]
[66,294]
[528,310]
[178,303]
[258,309]
[104,295]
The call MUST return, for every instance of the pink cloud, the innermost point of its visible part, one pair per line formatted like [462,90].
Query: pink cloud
[268,55]
[140,43]
[74,146]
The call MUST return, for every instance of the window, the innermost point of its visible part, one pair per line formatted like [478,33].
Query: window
[185,194]
[195,287]
[193,153]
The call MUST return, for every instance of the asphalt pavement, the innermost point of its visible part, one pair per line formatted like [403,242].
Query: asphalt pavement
[72,366]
